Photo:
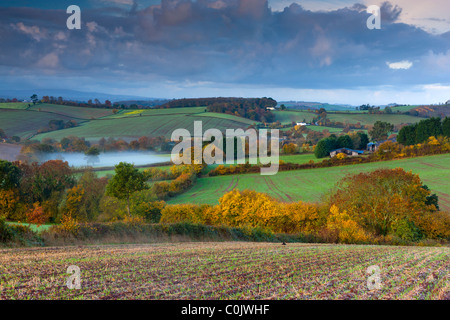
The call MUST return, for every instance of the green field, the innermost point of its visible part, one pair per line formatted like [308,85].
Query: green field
[79,113]
[287,117]
[14,105]
[25,123]
[135,127]
[110,172]
[321,128]
[32,226]
[310,185]
[127,113]
[227,270]
[95,123]
[403,108]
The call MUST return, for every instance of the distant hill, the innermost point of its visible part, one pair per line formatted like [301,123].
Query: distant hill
[143,103]
[430,111]
[72,95]
[305,105]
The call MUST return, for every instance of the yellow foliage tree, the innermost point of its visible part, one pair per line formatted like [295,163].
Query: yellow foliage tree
[348,230]
[9,199]
[74,200]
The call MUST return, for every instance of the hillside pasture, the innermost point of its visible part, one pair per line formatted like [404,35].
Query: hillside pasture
[25,123]
[162,124]
[287,117]
[127,113]
[77,113]
[15,105]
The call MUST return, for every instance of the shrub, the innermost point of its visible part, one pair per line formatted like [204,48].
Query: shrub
[183,213]
[377,199]
[348,230]
[5,232]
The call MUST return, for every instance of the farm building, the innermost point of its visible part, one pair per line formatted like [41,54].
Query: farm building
[373,146]
[346,151]
[302,124]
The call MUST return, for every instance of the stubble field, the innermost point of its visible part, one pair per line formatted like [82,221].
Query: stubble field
[229,270]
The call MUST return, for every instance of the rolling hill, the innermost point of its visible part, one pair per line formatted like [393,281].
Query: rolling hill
[95,123]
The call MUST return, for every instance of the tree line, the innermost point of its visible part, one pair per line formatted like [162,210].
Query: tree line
[423,130]
[250,108]
[384,206]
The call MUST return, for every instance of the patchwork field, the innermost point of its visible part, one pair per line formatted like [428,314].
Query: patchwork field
[74,112]
[310,185]
[135,127]
[95,123]
[226,271]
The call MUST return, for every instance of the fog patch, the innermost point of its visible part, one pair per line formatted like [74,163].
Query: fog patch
[108,159]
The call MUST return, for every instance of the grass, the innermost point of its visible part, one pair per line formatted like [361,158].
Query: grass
[298,158]
[310,185]
[321,128]
[403,108]
[287,117]
[32,226]
[14,105]
[229,270]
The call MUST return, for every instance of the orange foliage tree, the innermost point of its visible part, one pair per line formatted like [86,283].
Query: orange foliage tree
[37,215]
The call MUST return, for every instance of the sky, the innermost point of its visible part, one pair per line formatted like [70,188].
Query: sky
[288,50]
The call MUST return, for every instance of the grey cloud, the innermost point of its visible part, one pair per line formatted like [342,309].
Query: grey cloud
[224,41]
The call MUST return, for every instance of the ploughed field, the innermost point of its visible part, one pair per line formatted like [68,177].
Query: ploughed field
[229,270]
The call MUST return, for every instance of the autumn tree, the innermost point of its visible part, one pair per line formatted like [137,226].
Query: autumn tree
[125,182]
[380,131]
[379,200]
[289,148]
[51,176]
[388,150]
[74,201]
[37,215]
[94,188]
[9,175]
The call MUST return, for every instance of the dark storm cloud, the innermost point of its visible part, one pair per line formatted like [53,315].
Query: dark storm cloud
[223,41]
